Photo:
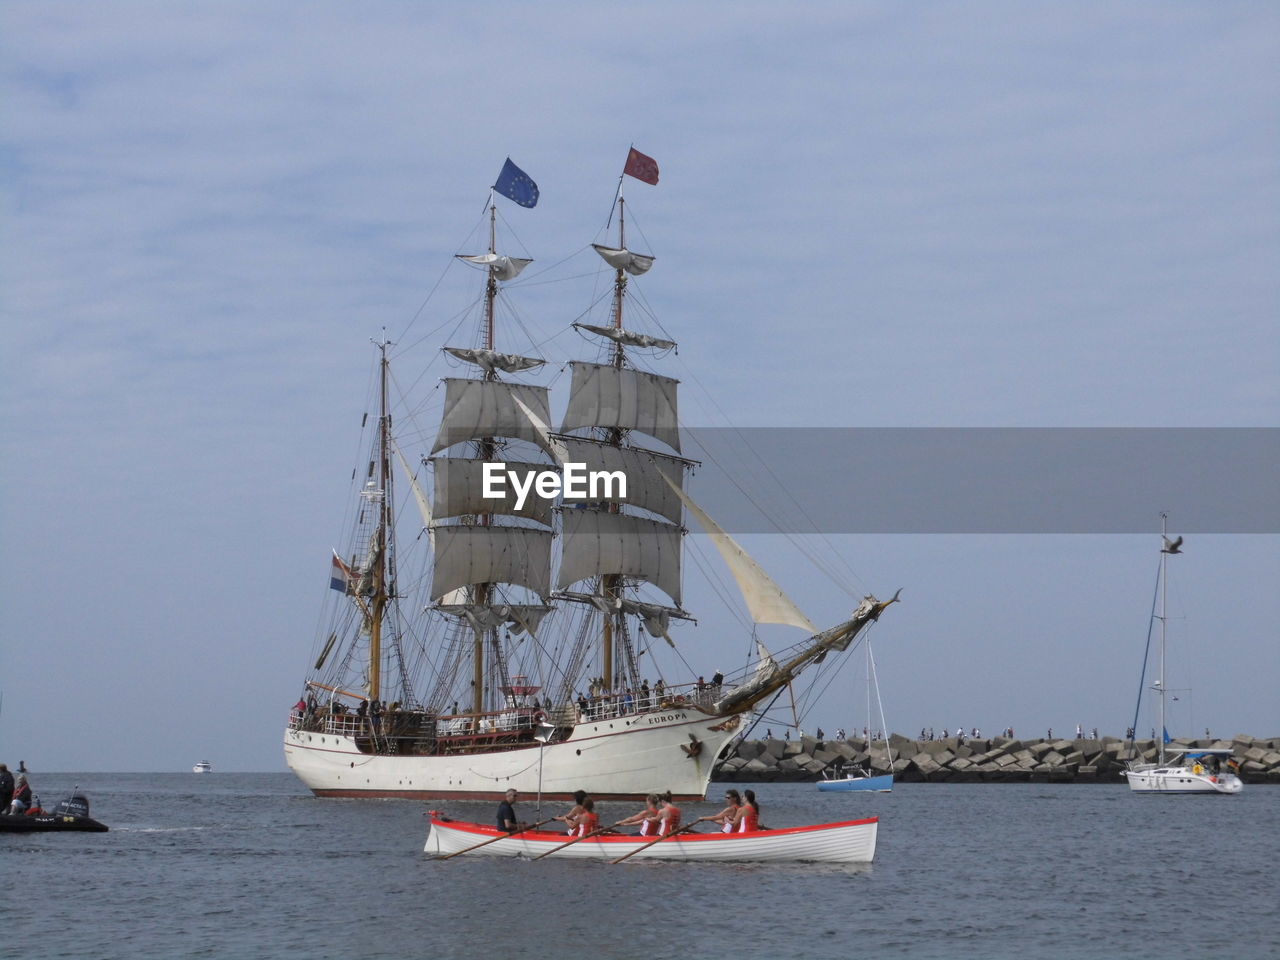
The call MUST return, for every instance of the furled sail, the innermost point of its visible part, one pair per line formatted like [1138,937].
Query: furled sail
[491,360]
[474,409]
[363,581]
[628,337]
[597,542]
[644,472]
[459,490]
[656,617]
[474,554]
[766,666]
[604,396]
[504,268]
[623,259]
[765,599]
[517,617]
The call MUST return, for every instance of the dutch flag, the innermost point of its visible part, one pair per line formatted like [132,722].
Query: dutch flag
[340,575]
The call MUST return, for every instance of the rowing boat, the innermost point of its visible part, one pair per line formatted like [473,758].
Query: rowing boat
[853,841]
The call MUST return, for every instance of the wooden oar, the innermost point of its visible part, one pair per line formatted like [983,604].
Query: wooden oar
[496,839]
[684,829]
[593,833]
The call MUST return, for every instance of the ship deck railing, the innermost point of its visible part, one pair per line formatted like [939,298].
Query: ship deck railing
[392,724]
[501,725]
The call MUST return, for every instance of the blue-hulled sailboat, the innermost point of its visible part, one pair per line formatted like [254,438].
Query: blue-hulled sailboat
[864,777]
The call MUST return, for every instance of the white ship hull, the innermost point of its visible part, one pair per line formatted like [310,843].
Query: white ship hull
[1181,780]
[621,758]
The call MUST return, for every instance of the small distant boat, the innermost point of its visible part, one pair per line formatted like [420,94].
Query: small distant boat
[1201,770]
[853,841]
[204,766]
[71,814]
[862,778]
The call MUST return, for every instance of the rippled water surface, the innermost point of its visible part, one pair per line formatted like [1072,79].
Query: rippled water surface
[249,865]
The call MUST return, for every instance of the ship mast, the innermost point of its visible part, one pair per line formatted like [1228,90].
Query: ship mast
[378,602]
[488,448]
[475,554]
[601,539]
[611,584]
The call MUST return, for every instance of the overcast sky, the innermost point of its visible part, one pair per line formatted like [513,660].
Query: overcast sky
[870,215]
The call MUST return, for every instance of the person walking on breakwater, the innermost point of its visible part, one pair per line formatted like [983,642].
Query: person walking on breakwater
[507,813]
[571,818]
[747,819]
[725,817]
[647,818]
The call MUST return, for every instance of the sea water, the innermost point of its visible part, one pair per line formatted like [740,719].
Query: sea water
[251,865]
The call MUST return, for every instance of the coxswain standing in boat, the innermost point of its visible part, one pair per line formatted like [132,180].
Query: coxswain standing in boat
[648,818]
[507,814]
[726,816]
[571,818]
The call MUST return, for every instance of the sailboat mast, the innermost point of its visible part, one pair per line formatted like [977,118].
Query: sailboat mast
[1164,596]
[870,668]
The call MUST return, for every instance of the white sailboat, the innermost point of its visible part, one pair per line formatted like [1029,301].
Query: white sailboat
[1201,770]
[512,659]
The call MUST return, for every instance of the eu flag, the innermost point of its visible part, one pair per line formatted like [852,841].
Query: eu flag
[514,184]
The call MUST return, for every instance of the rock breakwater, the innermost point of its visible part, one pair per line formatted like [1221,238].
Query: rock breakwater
[997,760]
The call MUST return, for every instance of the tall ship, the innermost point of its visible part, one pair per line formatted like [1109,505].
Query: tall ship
[501,626]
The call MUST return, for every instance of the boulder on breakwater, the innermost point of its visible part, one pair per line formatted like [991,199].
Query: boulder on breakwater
[994,760]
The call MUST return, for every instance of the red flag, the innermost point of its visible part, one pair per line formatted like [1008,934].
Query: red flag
[641,167]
